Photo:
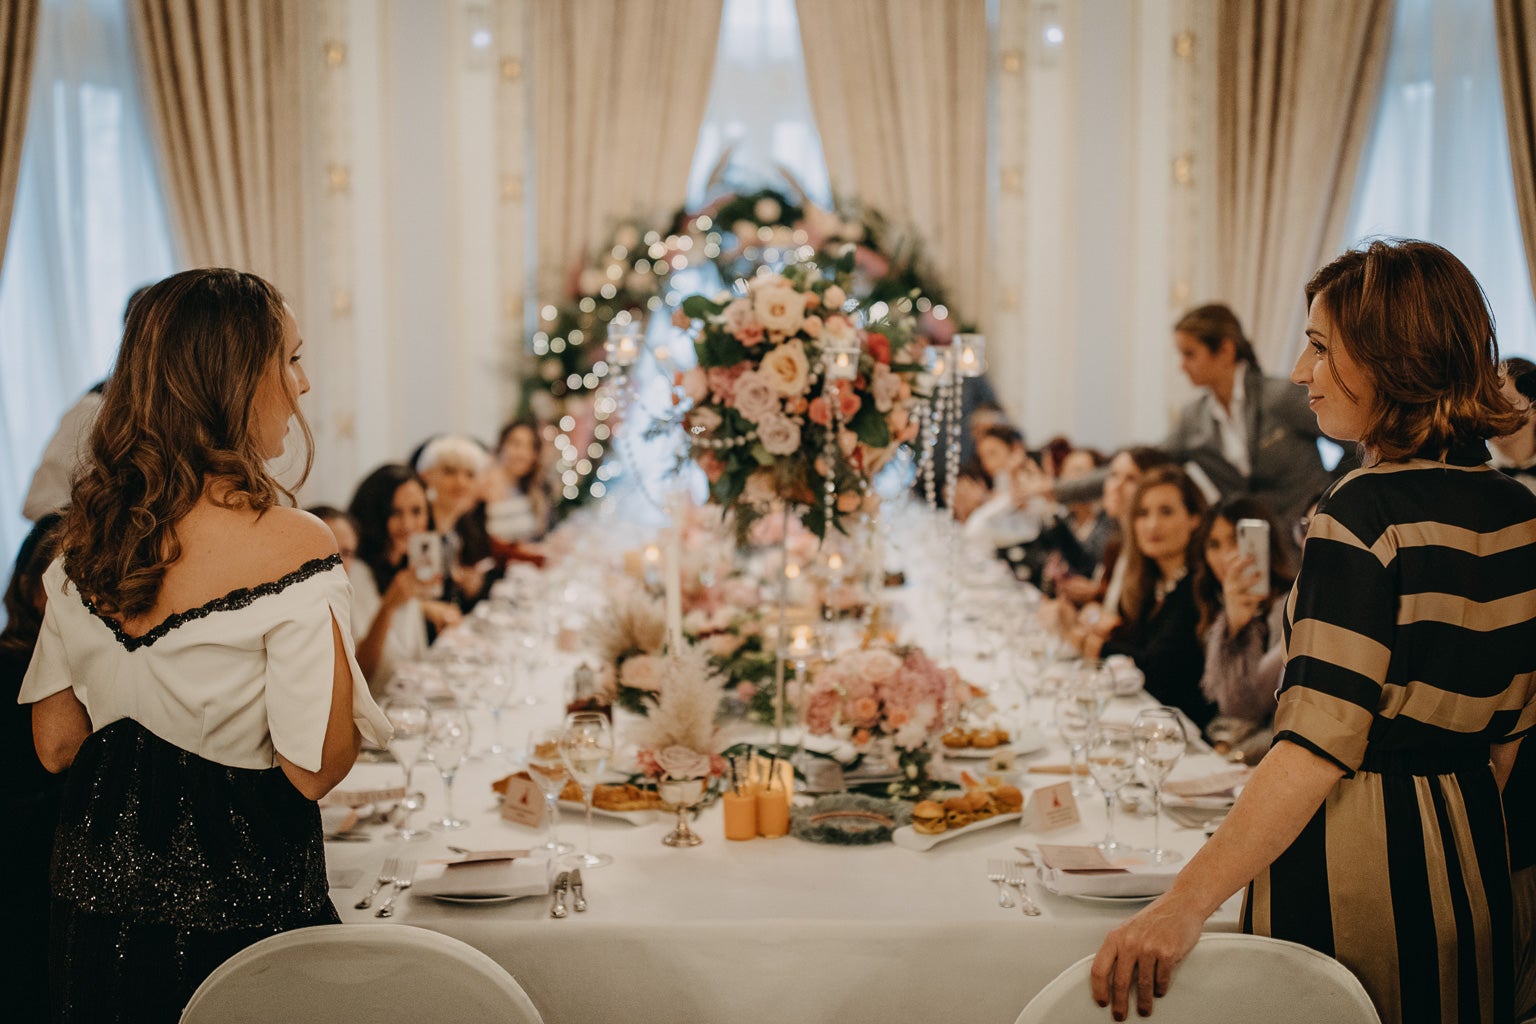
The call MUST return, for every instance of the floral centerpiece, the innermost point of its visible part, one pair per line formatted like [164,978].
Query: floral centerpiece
[679,740]
[769,422]
[881,696]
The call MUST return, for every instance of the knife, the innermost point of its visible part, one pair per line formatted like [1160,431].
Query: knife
[581,899]
[562,884]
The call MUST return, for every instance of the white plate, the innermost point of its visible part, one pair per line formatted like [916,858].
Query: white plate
[1025,741]
[909,838]
[568,807]
[336,820]
[1045,883]
[476,901]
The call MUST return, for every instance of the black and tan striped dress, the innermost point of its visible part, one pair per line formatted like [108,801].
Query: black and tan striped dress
[1411,648]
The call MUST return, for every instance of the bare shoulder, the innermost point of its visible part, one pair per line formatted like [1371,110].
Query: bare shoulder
[239,548]
[293,536]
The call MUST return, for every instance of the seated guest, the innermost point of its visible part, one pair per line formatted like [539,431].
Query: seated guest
[453,468]
[1243,631]
[1090,524]
[999,451]
[31,801]
[517,501]
[1102,588]
[1158,623]
[973,489]
[1515,454]
[391,606]
[343,528]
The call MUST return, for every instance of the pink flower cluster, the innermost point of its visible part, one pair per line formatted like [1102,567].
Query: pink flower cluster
[878,691]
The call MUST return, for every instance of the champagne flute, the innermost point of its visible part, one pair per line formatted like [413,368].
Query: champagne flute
[1111,762]
[1160,743]
[409,717]
[447,746]
[586,746]
[547,768]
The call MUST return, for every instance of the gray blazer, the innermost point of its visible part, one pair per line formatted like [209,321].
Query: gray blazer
[1282,449]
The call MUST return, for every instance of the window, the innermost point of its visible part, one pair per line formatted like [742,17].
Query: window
[88,227]
[1437,166]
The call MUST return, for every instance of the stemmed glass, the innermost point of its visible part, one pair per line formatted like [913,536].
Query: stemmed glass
[495,690]
[448,746]
[586,746]
[1160,743]
[1111,762]
[1075,725]
[409,717]
[547,769]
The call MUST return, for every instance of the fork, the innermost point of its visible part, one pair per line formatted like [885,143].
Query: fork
[997,873]
[403,881]
[1015,877]
[386,876]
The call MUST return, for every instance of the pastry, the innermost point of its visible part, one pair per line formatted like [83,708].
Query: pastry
[1008,799]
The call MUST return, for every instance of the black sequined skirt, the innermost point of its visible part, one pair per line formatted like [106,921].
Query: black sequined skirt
[164,865]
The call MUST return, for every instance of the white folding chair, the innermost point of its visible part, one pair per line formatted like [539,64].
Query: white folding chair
[379,973]
[1250,978]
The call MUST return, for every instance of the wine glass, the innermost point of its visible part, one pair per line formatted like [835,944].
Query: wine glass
[409,717]
[447,746]
[1160,742]
[547,769]
[1111,762]
[586,746]
[495,691]
[1075,725]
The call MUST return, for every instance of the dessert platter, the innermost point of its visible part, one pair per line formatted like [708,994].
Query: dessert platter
[982,806]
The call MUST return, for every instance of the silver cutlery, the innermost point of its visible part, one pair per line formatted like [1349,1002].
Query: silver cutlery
[404,879]
[997,873]
[580,904]
[562,884]
[1016,878]
[386,876]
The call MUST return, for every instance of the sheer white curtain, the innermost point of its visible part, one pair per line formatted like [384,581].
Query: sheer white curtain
[1438,163]
[89,227]
[759,115]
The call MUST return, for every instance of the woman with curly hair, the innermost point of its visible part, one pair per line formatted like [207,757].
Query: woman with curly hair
[202,624]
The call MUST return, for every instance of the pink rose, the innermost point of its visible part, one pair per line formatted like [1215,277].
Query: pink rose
[722,382]
[811,325]
[820,411]
[779,435]
[696,385]
[756,397]
[710,463]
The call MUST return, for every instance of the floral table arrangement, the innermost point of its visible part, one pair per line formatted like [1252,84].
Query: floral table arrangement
[680,740]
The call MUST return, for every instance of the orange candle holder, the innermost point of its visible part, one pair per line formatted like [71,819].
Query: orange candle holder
[740,814]
[773,812]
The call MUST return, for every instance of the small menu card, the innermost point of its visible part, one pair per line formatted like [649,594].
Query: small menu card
[1052,807]
[1086,859]
[523,802]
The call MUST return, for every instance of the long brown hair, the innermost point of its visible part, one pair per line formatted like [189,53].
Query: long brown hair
[176,410]
[23,595]
[1140,571]
[1209,589]
[1415,320]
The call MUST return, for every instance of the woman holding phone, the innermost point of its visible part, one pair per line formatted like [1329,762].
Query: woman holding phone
[1373,830]
[395,592]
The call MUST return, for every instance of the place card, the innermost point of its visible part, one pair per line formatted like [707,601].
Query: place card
[1076,858]
[523,802]
[1052,807]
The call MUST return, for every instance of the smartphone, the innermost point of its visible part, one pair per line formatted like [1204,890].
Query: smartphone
[1253,541]
[425,556]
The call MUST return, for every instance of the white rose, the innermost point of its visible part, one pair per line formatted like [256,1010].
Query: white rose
[787,368]
[682,763]
[768,210]
[756,398]
[737,315]
[834,297]
[780,309]
[768,280]
[885,386]
[780,435]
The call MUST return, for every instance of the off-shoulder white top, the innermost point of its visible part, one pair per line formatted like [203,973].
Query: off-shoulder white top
[235,681]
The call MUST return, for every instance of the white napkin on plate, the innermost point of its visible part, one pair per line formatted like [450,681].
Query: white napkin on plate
[489,880]
[1137,881]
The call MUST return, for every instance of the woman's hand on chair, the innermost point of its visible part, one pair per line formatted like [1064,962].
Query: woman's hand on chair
[1142,953]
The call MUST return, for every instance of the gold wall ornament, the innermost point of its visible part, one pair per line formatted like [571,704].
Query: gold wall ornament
[511,188]
[335,53]
[341,302]
[1012,179]
[1184,170]
[338,177]
[1184,45]
[1013,61]
[511,69]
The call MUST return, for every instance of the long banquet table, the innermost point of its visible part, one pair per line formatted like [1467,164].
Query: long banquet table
[766,930]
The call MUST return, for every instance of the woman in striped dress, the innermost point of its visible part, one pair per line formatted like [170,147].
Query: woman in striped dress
[1373,830]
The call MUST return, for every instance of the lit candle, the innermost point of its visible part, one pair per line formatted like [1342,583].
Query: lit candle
[835,562]
[801,643]
[971,354]
[792,571]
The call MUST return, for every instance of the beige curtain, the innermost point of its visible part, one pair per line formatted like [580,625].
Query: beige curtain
[1516,23]
[222,80]
[619,92]
[1298,82]
[18,41]
[899,89]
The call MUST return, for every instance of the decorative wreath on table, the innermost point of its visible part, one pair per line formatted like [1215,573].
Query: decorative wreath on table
[738,233]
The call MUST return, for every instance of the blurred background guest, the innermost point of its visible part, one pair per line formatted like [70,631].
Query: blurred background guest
[1515,454]
[453,468]
[517,498]
[343,528]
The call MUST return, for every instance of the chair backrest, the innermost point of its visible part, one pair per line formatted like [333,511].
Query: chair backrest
[1250,978]
[379,973]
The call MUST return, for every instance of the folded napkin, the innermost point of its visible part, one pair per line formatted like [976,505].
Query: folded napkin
[1128,678]
[488,880]
[336,819]
[1153,880]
